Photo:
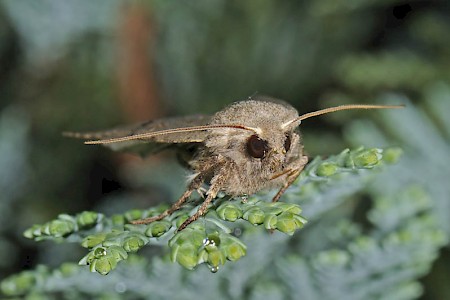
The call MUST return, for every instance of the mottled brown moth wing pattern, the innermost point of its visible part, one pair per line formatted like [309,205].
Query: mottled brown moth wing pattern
[154,144]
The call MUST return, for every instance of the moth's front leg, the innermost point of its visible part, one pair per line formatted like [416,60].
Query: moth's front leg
[217,184]
[291,173]
[194,185]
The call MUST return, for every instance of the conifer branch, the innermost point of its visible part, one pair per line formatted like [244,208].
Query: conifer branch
[210,239]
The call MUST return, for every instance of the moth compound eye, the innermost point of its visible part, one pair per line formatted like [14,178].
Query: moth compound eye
[257,147]
[287,142]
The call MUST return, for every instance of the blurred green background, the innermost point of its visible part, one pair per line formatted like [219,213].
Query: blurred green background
[88,65]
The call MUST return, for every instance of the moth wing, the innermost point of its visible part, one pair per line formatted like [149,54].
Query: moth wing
[155,143]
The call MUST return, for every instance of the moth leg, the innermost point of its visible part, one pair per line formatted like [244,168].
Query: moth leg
[292,175]
[167,212]
[216,184]
[200,212]
[194,185]
[202,192]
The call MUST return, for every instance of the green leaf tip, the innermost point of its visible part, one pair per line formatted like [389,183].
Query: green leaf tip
[103,265]
[133,214]
[281,216]
[18,284]
[192,247]
[134,243]
[326,169]
[254,216]
[58,228]
[215,259]
[229,212]
[364,158]
[104,259]
[64,225]
[347,161]
[93,240]
[87,218]
[333,258]
[158,228]
[288,223]
[392,155]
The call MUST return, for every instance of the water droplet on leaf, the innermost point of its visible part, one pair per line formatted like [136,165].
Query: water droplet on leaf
[209,242]
[120,287]
[214,269]
[237,232]
[99,252]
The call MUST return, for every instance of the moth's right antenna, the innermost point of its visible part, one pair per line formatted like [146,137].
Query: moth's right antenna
[338,108]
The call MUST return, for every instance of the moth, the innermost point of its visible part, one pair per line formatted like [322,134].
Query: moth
[248,146]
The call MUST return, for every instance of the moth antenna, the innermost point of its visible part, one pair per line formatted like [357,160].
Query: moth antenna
[148,135]
[339,108]
[252,95]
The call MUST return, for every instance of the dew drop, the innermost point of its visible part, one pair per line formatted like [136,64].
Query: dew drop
[237,232]
[214,269]
[209,242]
[99,252]
[120,287]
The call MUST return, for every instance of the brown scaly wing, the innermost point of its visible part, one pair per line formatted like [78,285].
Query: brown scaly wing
[153,144]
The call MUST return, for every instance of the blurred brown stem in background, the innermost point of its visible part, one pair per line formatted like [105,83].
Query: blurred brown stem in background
[138,90]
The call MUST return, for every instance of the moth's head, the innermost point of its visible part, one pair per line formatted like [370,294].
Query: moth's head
[272,151]
[265,141]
